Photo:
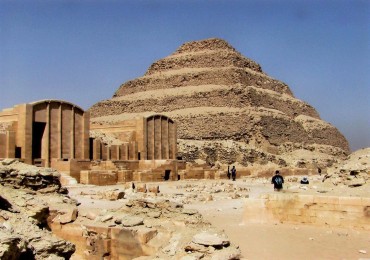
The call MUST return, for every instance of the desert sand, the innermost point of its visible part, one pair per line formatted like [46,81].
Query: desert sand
[273,240]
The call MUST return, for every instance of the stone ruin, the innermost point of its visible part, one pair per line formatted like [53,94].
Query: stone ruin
[56,134]
[227,109]
[36,214]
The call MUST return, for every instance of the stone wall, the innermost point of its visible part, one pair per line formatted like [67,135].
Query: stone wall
[348,212]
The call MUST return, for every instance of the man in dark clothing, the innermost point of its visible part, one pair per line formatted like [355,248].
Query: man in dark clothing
[233,173]
[228,172]
[278,181]
[305,180]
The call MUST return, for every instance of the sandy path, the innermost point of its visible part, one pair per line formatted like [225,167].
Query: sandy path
[259,241]
[283,240]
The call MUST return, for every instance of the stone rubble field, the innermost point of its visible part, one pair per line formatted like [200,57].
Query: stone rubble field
[187,219]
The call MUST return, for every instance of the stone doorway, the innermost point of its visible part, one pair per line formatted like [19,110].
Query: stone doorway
[167,174]
[38,129]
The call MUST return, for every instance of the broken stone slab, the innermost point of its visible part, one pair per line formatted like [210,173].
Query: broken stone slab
[66,215]
[192,247]
[112,195]
[145,234]
[49,189]
[106,218]
[132,221]
[8,161]
[209,239]
[45,247]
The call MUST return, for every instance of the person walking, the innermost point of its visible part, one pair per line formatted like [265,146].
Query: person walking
[233,173]
[278,181]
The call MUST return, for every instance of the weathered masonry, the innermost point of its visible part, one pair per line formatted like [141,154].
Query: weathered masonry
[58,134]
[145,138]
[44,132]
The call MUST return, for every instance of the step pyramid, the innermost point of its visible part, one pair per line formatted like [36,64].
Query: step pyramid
[227,109]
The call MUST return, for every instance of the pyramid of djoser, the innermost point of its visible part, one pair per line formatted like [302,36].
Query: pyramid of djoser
[227,110]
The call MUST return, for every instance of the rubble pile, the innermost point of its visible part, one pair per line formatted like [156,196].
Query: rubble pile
[164,229]
[29,199]
[352,172]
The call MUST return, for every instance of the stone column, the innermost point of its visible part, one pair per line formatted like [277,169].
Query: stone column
[60,132]
[24,132]
[153,137]
[86,135]
[46,148]
[160,139]
[73,132]
[10,144]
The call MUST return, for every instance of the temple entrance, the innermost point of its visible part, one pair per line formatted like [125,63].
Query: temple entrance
[167,174]
[91,148]
[38,129]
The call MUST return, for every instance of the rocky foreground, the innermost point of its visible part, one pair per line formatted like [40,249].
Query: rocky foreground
[29,198]
[33,206]
[141,221]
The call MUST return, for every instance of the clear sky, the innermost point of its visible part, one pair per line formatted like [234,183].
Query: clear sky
[82,51]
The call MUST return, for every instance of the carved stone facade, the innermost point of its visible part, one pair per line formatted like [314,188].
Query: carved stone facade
[143,138]
[45,131]
[55,133]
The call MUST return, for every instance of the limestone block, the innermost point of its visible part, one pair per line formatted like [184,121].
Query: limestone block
[209,239]
[153,188]
[131,221]
[145,234]
[66,215]
[112,194]
[141,187]
[125,244]
[106,218]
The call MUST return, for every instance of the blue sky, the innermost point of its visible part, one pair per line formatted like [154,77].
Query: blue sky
[82,51]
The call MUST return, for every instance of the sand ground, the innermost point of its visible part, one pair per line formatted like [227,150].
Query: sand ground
[279,240]
[261,241]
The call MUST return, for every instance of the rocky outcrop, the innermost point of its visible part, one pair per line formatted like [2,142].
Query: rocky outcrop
[20,176]
[147,226]
[29,198]
[354,171]
[216,94]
